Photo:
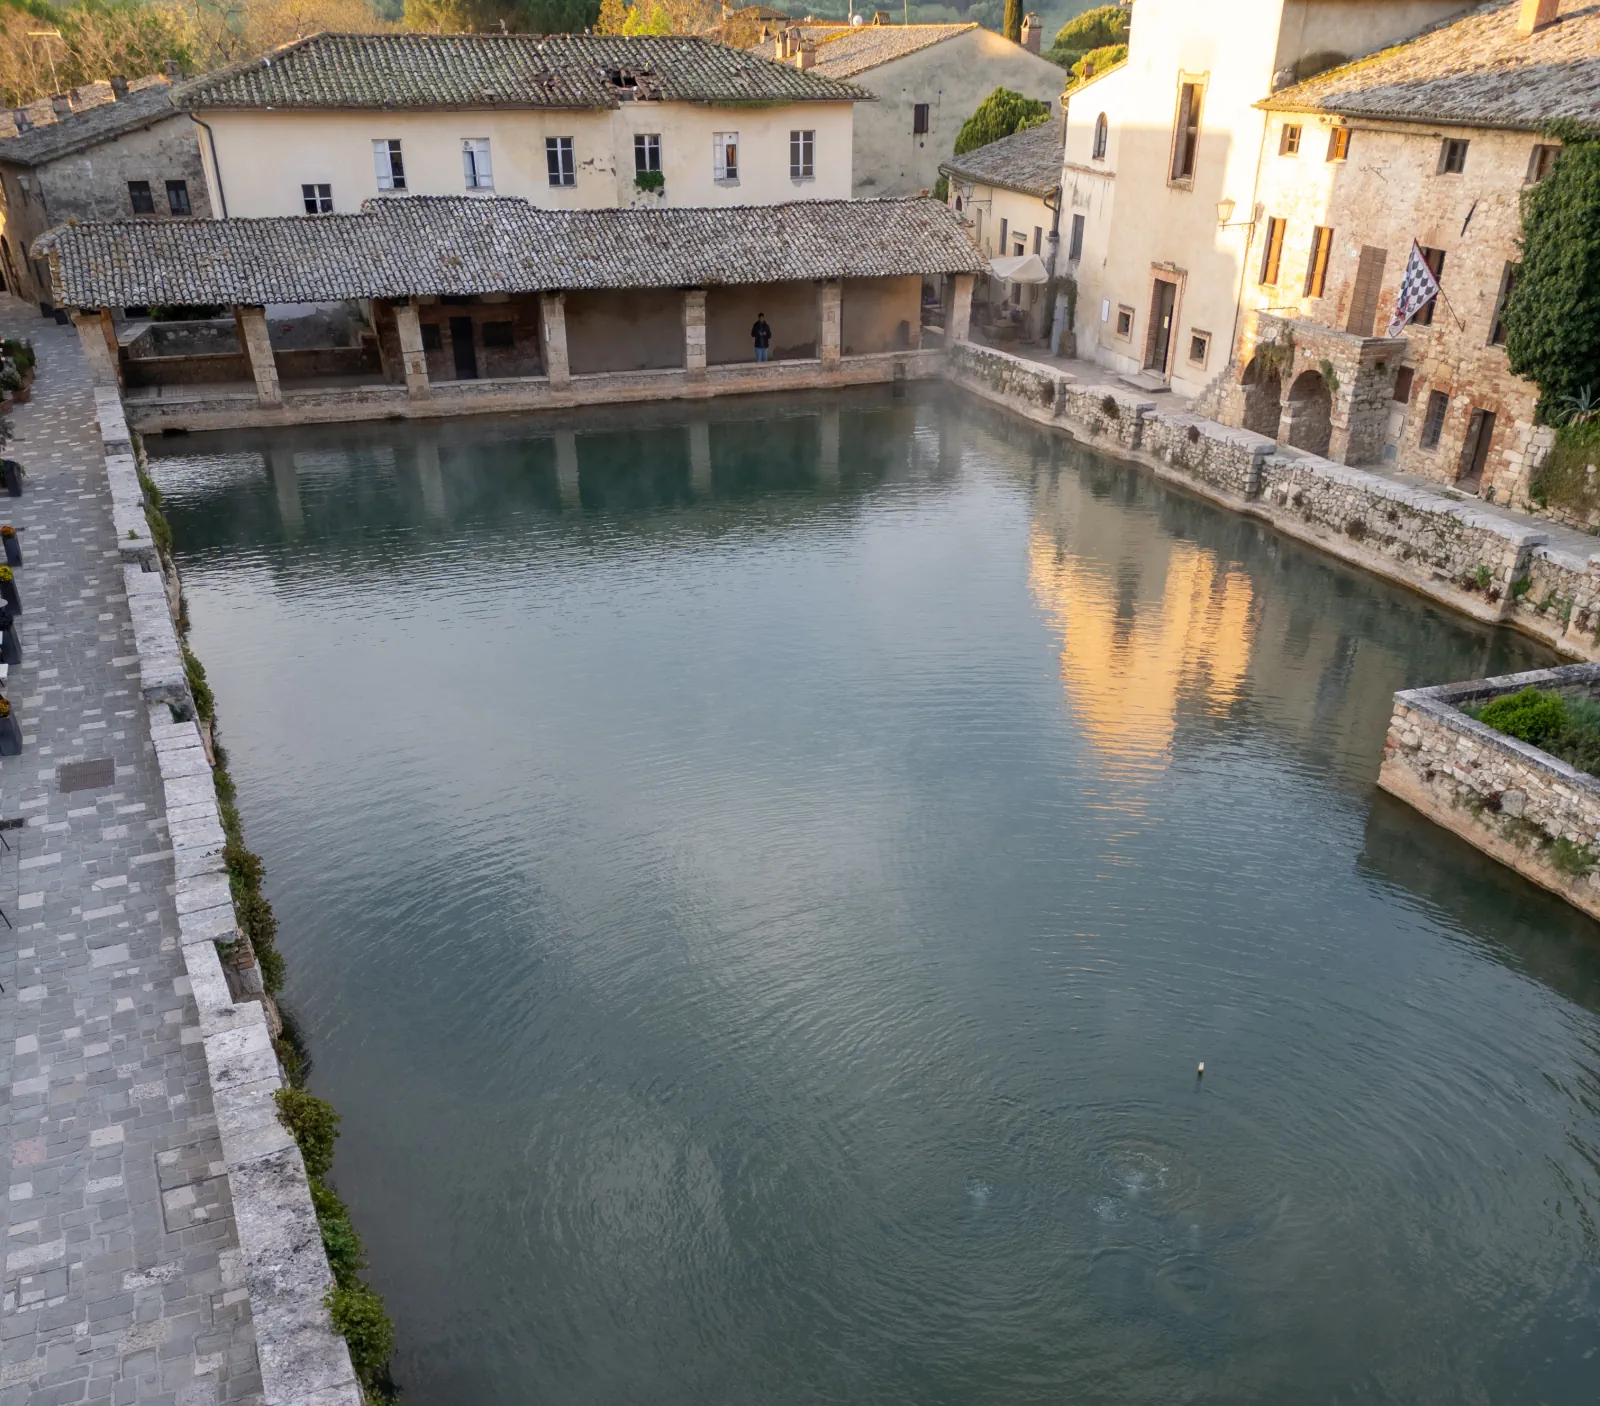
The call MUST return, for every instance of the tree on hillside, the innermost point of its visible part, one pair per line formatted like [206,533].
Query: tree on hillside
[492,16]
[999,115]
[1093,29]
[657,17]
[1013,21]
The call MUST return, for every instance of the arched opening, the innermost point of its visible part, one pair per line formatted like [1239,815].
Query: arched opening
[1263,397]
[1102,135]
[1309,420]
[958,204]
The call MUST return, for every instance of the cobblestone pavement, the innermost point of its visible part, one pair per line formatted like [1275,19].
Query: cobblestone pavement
[123,1281]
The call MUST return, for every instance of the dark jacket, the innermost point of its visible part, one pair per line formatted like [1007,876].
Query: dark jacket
[762,333]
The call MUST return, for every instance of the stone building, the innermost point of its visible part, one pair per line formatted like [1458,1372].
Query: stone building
[484,305]
[571,121]
[114,150]
[927,79]
[1431,142]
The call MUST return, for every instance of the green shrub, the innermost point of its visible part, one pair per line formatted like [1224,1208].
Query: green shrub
[314,1124]
[999,115]
[346,1257]
[649,180]
[1093,29]
[1564,480]
[1098,61]
[358,1317]
[205,704]
[1570,858]
[1531,716]
[941,189]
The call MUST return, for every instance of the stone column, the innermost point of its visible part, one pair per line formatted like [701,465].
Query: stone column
[553,338]
[694,329]
[829,309]
[700,458]
[101,354]
[412,356]
[960,328]
[567,469]
[828,449]
[252,326]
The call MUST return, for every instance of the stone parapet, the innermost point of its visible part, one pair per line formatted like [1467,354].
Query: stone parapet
[1525,808]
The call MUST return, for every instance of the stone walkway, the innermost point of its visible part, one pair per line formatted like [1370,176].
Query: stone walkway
[123,1279]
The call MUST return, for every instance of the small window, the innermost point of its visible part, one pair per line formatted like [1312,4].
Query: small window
[178,197]
[1402,384]
[1433,422]
[475,167]
[1075,243]
[318,199]
[1289,140]
[802,156]
[725,156]
[1272,251]
[1339,144]
[1124,322]
[499,334]
[919,120]
[1317,265]
[558,157]
[140,199]
[1186,135]
[1539,164]
[1102,137]
[1434,258]
[387,162]
[432,337]
[1452,156]
[1199,348]
[1038,240]
[1497,324]
[1005,238]
[646,152]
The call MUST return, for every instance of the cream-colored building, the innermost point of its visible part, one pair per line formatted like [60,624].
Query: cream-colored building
[927,79]
[1161,168]
[564,121]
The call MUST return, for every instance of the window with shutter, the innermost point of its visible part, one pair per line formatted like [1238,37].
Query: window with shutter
[1317,265]
[1272,253]
[1364,296]
[387,162]
[725,156]
[1075,246]
[1186,136]
[1434,258]
[919,120]
[475,163]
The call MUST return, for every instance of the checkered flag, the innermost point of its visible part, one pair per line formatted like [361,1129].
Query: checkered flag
[1417,289]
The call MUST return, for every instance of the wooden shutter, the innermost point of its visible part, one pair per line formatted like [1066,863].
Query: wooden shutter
[1272,255]
[1317,268]
[1364,296]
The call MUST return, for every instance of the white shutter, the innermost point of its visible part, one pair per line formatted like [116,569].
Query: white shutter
[719,157]
[380,162]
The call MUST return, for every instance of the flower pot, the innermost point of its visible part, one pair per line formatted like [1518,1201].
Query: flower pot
[11,475]
[23,394]
[10,646]
[8,593]
[13,546]
[10,736]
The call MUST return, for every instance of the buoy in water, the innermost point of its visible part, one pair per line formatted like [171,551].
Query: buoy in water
[1200,1073]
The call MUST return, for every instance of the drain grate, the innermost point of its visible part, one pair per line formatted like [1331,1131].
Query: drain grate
[85,776]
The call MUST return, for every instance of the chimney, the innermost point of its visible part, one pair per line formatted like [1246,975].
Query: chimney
[1032,33]
[881,17]
[62,103]
[1537,15]
[807,57]
[19,115]
[119,87]
[173,69]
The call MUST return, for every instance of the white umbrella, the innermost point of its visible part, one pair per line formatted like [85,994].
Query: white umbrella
[1020,268]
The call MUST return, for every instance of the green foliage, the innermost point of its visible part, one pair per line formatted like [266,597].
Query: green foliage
[313,1123]
[999,115]
[346,1257]
[1097,61]
[18,352]
[649,180]
[1013,21]
[1531,716]
[487,16]
[359,1318]
[205,704]
[1094,29]
[941,189]
[1552,317]
[1564,480]
[1571,858]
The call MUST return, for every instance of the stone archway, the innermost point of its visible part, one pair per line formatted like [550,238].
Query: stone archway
[1263,397]
[1308,421]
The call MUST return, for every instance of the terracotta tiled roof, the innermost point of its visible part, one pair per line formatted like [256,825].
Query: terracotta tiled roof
[1027,161]
[445,245]
[400,70]
[89,126]
[845,50]
[1474,71]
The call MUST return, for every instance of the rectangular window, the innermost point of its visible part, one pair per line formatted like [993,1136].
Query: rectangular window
[1338,144]
[318,199]
[1364,296]
[432,337]
[1038,240]
[1199,347]
[388,164]
[1433,422]
[1434,258]
[475,167]
[1075,244]
[1289,140]
[1272,251]
[1005,238]
[1497,325]
[140,198]
[1317,265]
[1539,164]
[1452,156]
[499,334]
[1124,322]
[558,157]
[725,156]
[178,197]
[802,156]
[1402,384]
[1186,136]
[646,152]
[919,120]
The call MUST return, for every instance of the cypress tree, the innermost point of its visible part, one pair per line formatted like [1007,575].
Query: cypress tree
[1014,21]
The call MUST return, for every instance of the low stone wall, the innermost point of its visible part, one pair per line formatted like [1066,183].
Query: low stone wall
[1525,808]
[303,1361]
[211,368]
[1446,546]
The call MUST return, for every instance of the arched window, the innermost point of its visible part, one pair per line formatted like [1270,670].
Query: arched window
[958,204]
[1102,134]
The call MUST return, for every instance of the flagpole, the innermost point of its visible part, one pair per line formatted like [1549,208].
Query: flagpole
[1460,321]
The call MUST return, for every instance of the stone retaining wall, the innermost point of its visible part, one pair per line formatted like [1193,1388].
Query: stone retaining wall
[303,1361]
[1447,546]
[1525,808]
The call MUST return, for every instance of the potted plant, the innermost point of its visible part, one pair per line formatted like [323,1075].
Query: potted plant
[10,380]
[10,641]
[8,536]
[10,733]
[8,590]
[10,469]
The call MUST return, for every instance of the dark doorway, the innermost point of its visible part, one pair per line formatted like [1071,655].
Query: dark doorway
[1475,452]
[1162,301]
[461,344]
